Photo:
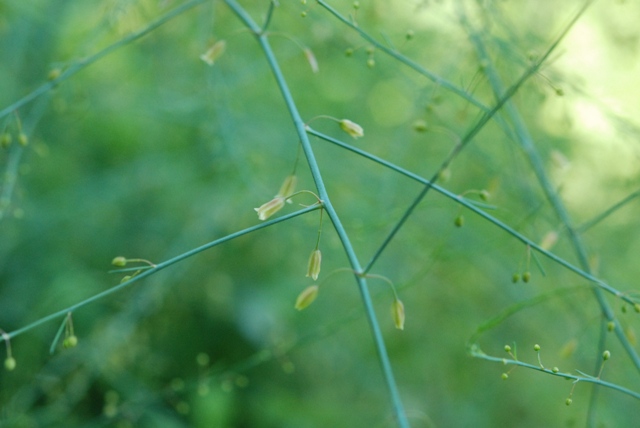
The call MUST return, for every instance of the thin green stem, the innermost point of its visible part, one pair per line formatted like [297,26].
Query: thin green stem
[456,150]
[403,59]
[588,276]
[597,219]
[156,269]
[526,142]
[83,63]
[479,354]
[333,216]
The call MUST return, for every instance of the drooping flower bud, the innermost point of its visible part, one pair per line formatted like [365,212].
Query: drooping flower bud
[214,52]
[351,128]
[398,314]
[10,363]
[549,240]
[311,59]
[70,342]
[313,269]
[307,297]
[119,261]
[270,208]
[288,187]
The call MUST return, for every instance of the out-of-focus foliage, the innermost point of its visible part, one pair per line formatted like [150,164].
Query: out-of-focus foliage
[150,152]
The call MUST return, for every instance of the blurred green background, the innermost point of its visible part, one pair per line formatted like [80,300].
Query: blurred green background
[151,152]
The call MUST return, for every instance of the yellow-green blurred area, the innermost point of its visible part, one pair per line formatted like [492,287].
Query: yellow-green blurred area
[150,152]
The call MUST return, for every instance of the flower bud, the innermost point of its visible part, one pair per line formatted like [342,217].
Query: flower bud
[311,59]
[5,140]
[536,347]
[398,314]
[507,348]
[307,297]
[549,240]
[420,126]
[288,187]
[10,363]
[606,355]
[270,208]
[70,342]
[23,139]
[459,221]
[568,401]
[119,261]
[313,270]
[351,128]
[526,276]
[515,278]
[214,52]
[505,376]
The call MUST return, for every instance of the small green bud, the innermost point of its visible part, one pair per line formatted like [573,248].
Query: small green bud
[409,35]
[536,347]
[10,363]
[398,314]
[214,52]
[555,370]
[70,342]
[484,195]
[611,326]
[505,376]
[351,128]
[507,348]
[526,276]
[313,268]
[125,279]
[268,209]
[303,14]
[444,175]
[459,221]
[23,139]
[119,261]
[54,73]
[515,278]
[307,297]
[5,140]
[624,309]
[371,63]
[420,126]
[356,5]
[568,401]
[636,307]
[348,52]
[606,355]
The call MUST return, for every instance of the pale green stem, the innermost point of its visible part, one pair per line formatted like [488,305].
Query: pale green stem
[154,270]
[598,282]
[333,216]
[83,63]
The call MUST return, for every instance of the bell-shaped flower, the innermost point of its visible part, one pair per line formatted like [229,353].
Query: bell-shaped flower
[307,297]
[214,52]
[351,128]
[270,208]
[398,314]
[313,269]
